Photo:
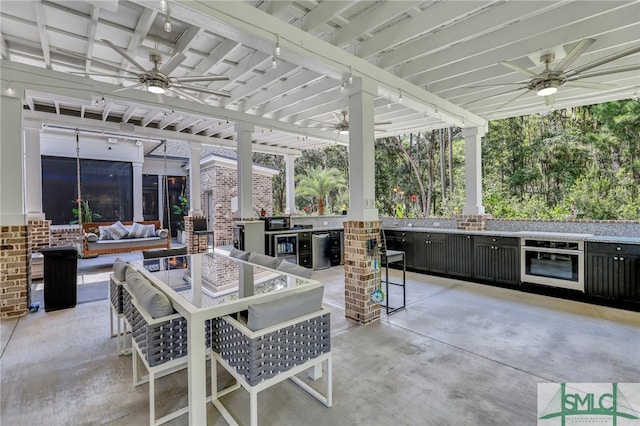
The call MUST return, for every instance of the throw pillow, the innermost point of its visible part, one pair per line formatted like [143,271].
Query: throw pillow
[120,269]
[91,237]
[117,230]
[152,300]
[162,233]
[239,254]
[137,230]
[293,269]
[263,315]
[263,260]
[104,233]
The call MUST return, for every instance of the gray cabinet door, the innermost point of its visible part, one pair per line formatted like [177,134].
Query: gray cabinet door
[429,252]
[507,264]
[613,271]
[497,259]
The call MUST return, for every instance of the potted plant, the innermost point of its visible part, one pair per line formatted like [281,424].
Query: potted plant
[85,213]
[181,210]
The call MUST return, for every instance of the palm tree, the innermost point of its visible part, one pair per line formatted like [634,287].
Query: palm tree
[318,183]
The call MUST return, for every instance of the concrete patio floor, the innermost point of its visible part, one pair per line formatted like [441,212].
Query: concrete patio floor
[460,354]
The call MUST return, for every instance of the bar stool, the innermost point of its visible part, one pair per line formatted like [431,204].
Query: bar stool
[392,256]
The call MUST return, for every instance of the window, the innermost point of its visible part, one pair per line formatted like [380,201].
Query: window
[150,197]
[106,185]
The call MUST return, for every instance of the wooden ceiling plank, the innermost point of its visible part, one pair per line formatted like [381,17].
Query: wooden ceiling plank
[325,12]
[151,115]
[224,48]
[128,113]
[41,22]
[292,83]
[91,37]
[311,91]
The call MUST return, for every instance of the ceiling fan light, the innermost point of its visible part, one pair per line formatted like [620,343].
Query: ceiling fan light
[546,91]
[154,88]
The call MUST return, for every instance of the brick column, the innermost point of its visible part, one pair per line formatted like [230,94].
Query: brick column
[360,277]
[195,243]
[15,257]
[39,234]
[471,222]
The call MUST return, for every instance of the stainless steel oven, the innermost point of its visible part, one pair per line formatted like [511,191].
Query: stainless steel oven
[553,263]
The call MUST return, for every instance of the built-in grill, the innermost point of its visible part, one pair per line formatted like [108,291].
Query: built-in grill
[553,259]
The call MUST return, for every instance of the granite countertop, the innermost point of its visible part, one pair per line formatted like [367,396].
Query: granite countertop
[295,231]
[524,234]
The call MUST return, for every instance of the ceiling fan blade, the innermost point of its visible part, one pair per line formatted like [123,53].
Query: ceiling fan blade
[186,95]
[590,85]
[382,123]
[88,74]
[604,60]
[337,117]
[575,52]
[549,100]
[191,79]
[135,86]
[477,86]
[518,68]
[125,55]
[495,96]
[202,89]
[606,72]
[512,100]
[173,63]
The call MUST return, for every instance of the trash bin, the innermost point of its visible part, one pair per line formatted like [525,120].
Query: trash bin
[60,277]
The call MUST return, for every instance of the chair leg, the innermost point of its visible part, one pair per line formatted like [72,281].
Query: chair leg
[253,407]
[329,389]
[152,399]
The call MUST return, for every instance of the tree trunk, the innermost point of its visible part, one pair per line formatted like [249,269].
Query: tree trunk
[430,171]
[320,206]
[450,132]
[416,171]
[443,175]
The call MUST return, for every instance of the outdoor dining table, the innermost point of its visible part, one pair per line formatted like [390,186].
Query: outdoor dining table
[207,286]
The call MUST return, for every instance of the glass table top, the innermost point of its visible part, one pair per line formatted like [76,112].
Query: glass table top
[211,279]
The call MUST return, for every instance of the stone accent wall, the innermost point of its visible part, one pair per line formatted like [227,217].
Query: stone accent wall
[15,257]
[39,234]
[360,276]
[471,222]
[195,243]
[222,181]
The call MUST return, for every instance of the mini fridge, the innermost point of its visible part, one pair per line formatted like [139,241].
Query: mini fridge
[321,251]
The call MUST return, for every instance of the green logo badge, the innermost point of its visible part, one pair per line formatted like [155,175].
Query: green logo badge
[588,403]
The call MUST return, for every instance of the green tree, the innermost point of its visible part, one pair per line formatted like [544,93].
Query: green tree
[318,183]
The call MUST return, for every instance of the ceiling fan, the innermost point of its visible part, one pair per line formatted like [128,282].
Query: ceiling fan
[343,124]
[157,80]
[546,83]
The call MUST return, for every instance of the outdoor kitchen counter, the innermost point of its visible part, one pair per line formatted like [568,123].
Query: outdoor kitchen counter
[312,230]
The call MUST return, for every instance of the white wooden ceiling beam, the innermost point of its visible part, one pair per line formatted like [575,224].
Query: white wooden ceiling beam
[4,49]
[221,50]
[150,117]
[258,82]
[321,86]
[370,19]
[325,12]
[292,83]
[432,18]
[186,122]
[304,49]
[107,110]
[168,119]
[274,7]
[313,104]
[128,113]
[140,32]
[41,22]
[202,127]
[531,40]
[483,23]
[91,37]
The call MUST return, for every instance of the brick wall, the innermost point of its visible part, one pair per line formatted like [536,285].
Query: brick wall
[361,278]
[39,234]
[15,256]
[470,222]
[64,236]
[222,182]
[194,243]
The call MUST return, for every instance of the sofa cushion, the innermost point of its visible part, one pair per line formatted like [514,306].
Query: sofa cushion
[117,230]
[162,233]
[293,269]
[263,260]
[239,254]
[91,237]
[120,269]
[263,315]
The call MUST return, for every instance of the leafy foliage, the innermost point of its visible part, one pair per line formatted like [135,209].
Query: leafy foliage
[318,183]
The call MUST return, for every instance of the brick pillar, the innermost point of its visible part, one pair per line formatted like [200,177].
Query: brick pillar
[471,222]
[15,256]
[39,234]
[195,243]
[360,278]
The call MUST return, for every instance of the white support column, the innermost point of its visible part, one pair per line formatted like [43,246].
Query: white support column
[137,192]
[245,187]
[290,180]
[33,174]
[12,188]
[362,204]
[473,170]
[195,202]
